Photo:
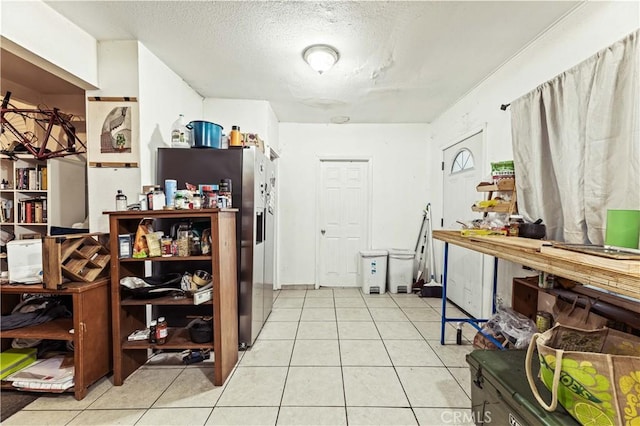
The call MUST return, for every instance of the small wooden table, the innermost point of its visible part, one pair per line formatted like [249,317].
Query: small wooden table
[618,276]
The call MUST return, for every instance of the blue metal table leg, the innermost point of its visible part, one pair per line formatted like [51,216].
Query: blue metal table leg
[444,293]
[473,322]
[495,285]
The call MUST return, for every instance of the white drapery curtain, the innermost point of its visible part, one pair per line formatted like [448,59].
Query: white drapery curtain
[576,144]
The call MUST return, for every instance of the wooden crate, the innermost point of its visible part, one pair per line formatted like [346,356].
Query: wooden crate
[78,257]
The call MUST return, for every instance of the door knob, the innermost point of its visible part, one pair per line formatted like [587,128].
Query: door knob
[322,231]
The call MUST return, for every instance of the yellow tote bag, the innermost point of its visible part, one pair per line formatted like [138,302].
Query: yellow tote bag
[593,374]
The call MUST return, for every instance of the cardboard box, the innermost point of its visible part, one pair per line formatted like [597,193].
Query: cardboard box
[252,139]
[13,360]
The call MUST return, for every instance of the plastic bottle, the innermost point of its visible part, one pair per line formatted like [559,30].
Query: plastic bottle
[170,186]
[153,331]
[179,133]
[196,200]
[162,331]
[121,201]
[225,193]
[234,136]
[158,197]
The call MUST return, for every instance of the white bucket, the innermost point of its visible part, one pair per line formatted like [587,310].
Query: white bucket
[400,271]
[372,271]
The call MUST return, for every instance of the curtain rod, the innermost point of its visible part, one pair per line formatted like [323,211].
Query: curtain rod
[504,107]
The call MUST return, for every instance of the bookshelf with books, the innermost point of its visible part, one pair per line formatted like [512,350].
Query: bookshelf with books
[36,195]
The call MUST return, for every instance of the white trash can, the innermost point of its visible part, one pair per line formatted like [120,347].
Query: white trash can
[372,271]
[400,271]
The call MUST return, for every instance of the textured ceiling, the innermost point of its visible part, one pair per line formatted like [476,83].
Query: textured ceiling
[400,62]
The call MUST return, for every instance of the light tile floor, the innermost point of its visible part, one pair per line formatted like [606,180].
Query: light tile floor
[324,357]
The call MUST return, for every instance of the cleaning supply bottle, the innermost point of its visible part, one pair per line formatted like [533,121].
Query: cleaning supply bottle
[179,133]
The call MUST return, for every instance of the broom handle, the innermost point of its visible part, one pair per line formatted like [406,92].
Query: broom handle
[556,376]
[432,259]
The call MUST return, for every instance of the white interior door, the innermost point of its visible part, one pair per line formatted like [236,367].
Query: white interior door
[462,172]
[343,215]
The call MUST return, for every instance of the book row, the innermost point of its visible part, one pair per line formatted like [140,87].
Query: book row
[31,178]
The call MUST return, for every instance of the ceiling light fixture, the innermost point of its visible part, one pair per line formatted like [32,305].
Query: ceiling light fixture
[320,57]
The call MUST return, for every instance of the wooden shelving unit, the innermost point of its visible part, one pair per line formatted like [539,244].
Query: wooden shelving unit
[89,329]
[130,314]
[79,257]
[55,192]
[36,183]
[525,291]
[502,185]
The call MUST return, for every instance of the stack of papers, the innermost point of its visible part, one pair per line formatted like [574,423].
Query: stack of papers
[44,375]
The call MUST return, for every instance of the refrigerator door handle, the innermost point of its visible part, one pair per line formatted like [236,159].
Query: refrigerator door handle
[260,227]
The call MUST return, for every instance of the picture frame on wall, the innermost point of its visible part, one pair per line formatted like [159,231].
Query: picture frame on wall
[113,132]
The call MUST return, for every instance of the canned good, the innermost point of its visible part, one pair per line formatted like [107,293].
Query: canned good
[543,321]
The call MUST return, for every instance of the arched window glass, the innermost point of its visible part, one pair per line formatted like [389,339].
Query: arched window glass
[462,161]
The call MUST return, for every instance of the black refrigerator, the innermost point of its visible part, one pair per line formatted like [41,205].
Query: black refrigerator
[252,177]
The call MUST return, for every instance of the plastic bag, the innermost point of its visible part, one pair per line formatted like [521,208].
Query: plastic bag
[140,247]
[515,327]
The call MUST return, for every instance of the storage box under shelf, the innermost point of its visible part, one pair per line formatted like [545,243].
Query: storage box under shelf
[79,257]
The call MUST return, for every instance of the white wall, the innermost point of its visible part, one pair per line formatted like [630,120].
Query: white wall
[252,116]
[400,169]
[163,96]
[118,69]
[591,27]
[128,68]
[39,34]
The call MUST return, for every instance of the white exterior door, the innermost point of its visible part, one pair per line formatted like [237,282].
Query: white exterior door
[462,172]
[343,215]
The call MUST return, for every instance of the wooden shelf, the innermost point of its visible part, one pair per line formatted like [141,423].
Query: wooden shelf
[525,292]
[165,259]
[178,338]
[162,301]
[501,185]
[129,314]
[500,208]
[90,323]
[66,288]
[60,197]
[55,330]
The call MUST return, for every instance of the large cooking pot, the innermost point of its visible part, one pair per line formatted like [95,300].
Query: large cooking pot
[536,230]
[205,134]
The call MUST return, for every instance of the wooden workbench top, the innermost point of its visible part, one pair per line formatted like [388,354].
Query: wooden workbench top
[619,276]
